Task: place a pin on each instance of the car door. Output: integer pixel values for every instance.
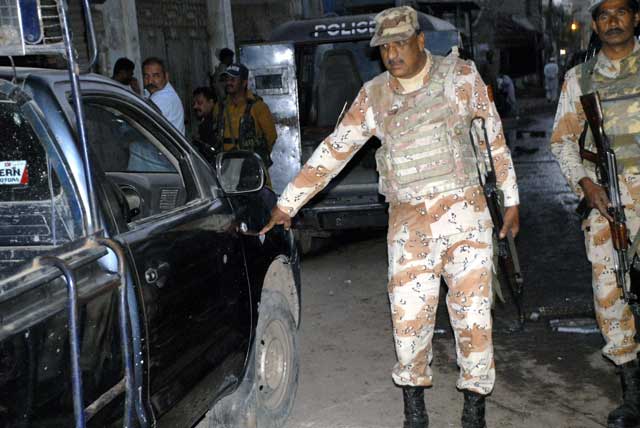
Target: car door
(188, 258)
(42, 218)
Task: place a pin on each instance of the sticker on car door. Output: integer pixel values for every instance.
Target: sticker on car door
(14, 173)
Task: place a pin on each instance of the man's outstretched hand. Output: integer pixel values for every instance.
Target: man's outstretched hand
(277, 217)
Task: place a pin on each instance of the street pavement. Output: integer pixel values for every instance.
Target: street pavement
(544, 378)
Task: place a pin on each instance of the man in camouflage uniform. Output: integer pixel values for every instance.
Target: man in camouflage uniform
(439, 225)
(615, 74)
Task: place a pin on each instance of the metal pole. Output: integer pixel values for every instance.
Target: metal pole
(74, 77)
(74, 340)
(123, 312)
(93, 44)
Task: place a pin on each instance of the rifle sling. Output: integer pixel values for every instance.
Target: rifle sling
(633, 250)
(581, 141)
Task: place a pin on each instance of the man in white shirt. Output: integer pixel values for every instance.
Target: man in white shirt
(551, 80)
(156, 81)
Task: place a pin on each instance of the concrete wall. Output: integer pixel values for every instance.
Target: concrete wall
(253, 21)
(583, 17)
(118, 36)
(220, 29)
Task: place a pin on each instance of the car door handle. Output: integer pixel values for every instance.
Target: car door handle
(244, 229)
(157, 274)
(151, 276)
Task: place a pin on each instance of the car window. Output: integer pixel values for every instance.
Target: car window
(122, 145)
(35, 209)
(331, 75)
(139, 159)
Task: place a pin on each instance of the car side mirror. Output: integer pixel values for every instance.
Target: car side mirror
(240, 172)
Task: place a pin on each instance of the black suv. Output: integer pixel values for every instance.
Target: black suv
(147, 298)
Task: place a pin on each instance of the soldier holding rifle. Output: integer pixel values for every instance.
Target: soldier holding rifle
(608, 85)
(439, 225)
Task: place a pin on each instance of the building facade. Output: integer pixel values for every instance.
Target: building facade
(186, 34)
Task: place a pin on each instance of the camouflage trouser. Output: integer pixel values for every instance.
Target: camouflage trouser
(416, 263)
(612, 313)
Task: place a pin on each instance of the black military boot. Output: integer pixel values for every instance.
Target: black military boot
(415, 412)
(628, 414)
(473, 410)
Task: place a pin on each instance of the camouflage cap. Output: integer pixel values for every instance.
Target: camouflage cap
(395, 24)
(594, 5)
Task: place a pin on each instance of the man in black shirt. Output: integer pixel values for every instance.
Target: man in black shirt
(204, 99)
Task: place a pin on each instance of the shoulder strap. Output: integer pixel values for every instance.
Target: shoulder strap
(220, 123)
(248, 107)
(227, 116)
(586, 71)
(247, 124)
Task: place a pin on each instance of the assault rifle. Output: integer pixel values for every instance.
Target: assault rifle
(607, 173)
(508, 261)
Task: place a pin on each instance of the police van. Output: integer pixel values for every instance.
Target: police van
(308, 73)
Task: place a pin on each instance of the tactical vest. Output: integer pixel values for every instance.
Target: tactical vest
(620, 99)
(426, 149)
(248, 136)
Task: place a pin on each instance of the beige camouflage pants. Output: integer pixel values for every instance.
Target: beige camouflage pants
(612, 313)
(416, 264)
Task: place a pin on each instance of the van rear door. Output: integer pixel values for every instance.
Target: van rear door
(273, 77)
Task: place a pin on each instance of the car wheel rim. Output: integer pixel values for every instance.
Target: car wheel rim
(274, 364)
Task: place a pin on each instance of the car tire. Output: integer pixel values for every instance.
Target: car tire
(265, 397)
(276, 359)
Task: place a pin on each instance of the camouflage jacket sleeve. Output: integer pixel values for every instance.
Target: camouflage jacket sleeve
(476, 103)
(567, 128)
(331, 156)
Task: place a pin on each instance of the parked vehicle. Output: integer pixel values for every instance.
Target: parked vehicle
(309, 72)
(183, 312)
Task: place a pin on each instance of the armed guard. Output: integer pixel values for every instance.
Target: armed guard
(243, 120)
(439, 224)
(614, 73)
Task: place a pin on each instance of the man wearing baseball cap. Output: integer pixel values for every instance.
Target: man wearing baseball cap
(243, 120)
(615, 74)
(439, 225)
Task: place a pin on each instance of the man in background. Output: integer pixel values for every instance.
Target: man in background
(218, 78)
(551, 80)
(162, 94)
(123, 74)
(204, 101)
(243, 120)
